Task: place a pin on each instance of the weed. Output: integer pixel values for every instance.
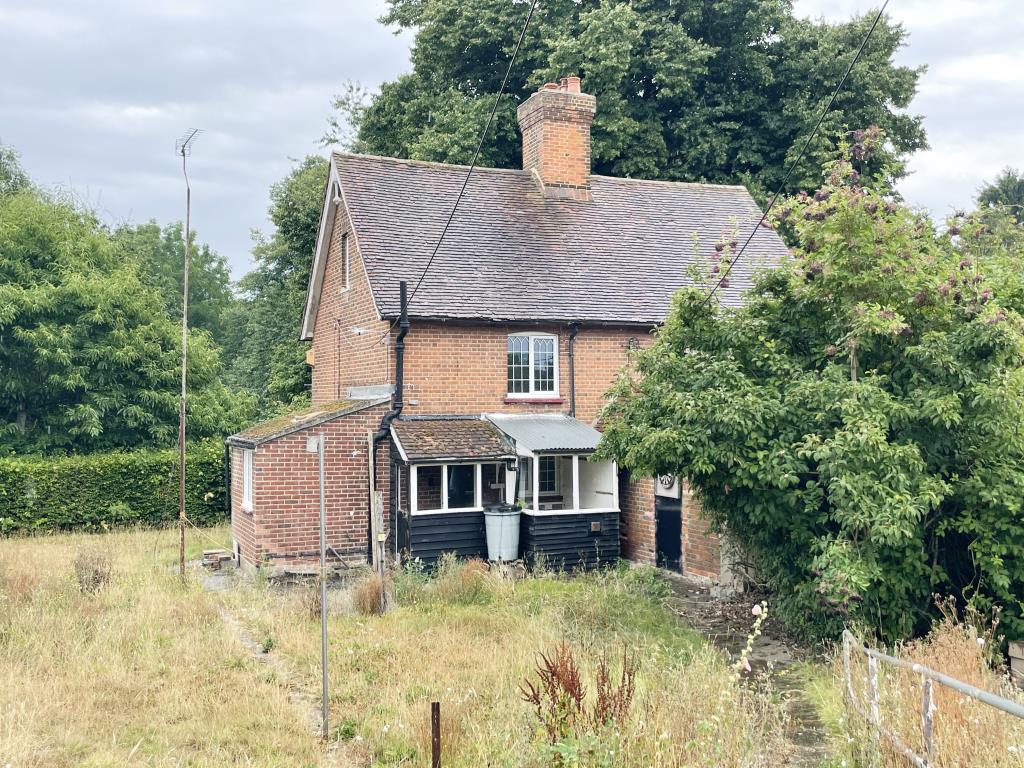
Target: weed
(92, 570)
(347, 730)
(267, 643)
(311, 601)
(369, 597)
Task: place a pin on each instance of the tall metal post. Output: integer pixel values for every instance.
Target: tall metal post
(323, 588)
(184, 148)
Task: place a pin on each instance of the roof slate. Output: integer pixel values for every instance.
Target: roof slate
(450, 438)
(510, 254)
(287, 423)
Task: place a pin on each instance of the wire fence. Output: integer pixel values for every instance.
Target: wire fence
(871, 710)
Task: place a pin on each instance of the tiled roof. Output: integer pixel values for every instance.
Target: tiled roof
(279, 426)
(511, 254)
(450, 438)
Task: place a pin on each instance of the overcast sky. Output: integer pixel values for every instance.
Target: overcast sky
(94, 95)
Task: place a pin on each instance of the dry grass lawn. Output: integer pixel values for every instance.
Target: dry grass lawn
(142, 670)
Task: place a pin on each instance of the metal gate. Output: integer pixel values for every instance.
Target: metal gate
(929, 677)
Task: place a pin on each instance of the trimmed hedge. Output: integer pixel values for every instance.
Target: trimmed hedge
(103, 490)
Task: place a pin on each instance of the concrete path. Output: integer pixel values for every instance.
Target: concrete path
(727, 621)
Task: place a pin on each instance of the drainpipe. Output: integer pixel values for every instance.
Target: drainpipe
(574, 330)
(397, 403)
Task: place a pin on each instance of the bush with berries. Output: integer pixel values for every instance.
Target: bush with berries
(858, 425)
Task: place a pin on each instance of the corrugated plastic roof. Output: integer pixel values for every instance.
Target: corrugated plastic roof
(547, 433)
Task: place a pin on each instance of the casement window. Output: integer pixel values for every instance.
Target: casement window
(446, 488)
(547, 471)
(247, 457)
(346, 263)
(532, 365)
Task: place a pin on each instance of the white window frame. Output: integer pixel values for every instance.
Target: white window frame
(528, 474)
(414, 488)
(346, 263)
(248, 459)
(532, 497)
(533, 393)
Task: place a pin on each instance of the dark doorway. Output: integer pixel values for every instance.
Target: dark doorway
(668, 532)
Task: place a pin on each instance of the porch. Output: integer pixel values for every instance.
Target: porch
(452, 468)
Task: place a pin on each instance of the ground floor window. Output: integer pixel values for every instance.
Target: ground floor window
(567, 482)
(446, 487)
(247, 457)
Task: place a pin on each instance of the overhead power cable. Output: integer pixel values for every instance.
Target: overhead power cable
(469, 173)
(803, 150)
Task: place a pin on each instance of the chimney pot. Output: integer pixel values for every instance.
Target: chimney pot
(555, 123)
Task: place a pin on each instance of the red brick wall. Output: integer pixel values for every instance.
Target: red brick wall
(284, 524)
(701, 547)
(462, 368)
(556, 139)
(636, 499)
(343, 358)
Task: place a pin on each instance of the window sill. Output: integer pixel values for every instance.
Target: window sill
(459, 510)
(513, 399)
(246, 508)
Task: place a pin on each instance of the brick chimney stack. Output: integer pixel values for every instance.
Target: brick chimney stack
(555, 122)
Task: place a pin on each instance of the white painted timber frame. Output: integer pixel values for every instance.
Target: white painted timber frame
(533, 394)
(248, 476)
(535, 509)
(478, 504)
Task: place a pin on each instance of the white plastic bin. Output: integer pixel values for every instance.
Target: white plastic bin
(502, 525)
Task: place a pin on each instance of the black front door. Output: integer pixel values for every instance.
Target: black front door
(668, 532)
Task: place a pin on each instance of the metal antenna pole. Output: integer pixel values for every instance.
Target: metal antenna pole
(183, 147)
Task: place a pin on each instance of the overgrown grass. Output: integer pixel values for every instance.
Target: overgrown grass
(469, 638)
(138, 671)
(139, 667)
(966, 732)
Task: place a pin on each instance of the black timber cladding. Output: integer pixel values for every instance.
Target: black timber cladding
(459, 532)
(570, 541)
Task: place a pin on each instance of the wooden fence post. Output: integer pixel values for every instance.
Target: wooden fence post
(435, 734)
(876, 709)
(928, 719)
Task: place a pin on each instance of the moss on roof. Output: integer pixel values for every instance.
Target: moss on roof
(293, 421)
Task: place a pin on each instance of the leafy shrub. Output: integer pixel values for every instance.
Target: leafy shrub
(92, 570)
(98, 491)
(856, 425)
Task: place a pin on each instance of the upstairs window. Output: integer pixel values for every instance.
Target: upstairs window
(532, 365)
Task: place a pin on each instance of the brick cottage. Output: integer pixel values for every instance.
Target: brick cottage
(489, 388)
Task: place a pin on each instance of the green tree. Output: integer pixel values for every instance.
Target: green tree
(12, 177)
(268, 357)
(1005, 191)
(855, 426)
(160, 254)
(89, 358)
(692, 90)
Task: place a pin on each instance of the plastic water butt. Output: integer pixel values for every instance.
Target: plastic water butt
(501, 522)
